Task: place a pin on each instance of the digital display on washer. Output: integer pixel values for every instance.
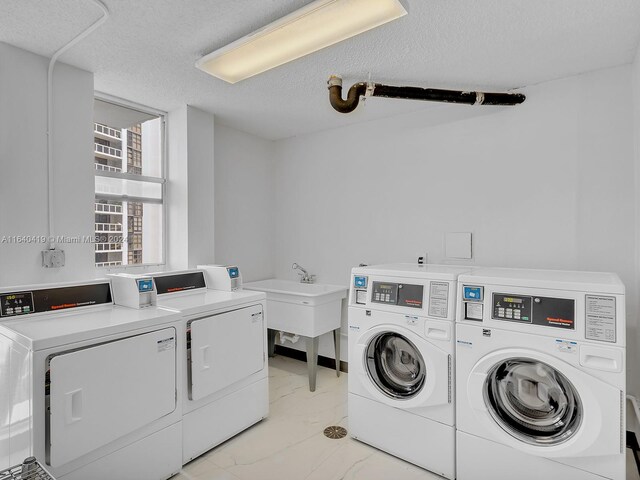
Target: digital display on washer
(513, 300)
(403, 295)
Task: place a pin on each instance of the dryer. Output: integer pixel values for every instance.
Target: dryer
(401, 346)
(224, 366)
(89, 388)
(540, 369)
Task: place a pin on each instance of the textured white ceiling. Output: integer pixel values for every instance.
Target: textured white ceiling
(147, 50)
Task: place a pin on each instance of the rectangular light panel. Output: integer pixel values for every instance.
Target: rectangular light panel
(318, 25)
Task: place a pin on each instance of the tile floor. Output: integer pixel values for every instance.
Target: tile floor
(290, 444)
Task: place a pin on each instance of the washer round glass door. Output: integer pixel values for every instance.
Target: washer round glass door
(532, 401)
(395, 365)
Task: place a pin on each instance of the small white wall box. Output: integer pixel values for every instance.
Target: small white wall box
(457, 245)
(222, 277)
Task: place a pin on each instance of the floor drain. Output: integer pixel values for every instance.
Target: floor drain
(335, 432)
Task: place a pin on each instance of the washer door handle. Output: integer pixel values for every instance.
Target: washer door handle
(475, 393)
(204, 356)
(73, 411)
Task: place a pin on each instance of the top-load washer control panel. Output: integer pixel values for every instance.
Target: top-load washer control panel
(13, 304)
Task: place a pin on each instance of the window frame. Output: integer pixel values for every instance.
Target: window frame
(104, 97)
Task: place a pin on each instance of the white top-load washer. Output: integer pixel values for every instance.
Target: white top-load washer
(540, 368)
(225, 387)
(89, 388)
(401, 346)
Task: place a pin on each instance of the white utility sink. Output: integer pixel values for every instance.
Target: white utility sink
(305, 309)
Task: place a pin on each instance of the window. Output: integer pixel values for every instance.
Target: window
(129, 184)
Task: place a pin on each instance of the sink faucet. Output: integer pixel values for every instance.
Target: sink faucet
(306, 278)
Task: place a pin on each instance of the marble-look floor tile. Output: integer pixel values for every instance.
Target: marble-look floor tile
(290, 445)
(202, 469)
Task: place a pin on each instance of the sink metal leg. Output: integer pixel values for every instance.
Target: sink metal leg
(312, 361)
(336, 344)
(271, 341)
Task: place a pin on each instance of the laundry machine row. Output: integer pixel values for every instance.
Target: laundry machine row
(99, 390)
(489, 373)
(224, 366)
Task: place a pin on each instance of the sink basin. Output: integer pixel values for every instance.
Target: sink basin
(305, 309)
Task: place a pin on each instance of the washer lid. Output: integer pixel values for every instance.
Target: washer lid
(206, 301)
(50, 330)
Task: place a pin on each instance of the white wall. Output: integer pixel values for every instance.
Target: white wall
(190, 188)
(244, 202)
(200, 131)
(547, 184)
(177, 190)
(23, 166)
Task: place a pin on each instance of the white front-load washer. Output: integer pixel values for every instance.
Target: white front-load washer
(540, 373)
(401, 346)
(89, 388)
(225, 369)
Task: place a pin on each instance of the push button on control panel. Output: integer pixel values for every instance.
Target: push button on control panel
(384, 292)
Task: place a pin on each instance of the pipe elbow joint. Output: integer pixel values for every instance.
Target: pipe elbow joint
(353, 97)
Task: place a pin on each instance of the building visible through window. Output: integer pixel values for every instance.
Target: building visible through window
(129, 186)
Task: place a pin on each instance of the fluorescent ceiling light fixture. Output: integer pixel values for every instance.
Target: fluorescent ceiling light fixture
(318, 25)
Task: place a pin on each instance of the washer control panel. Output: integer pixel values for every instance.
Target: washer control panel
(53, 299)
(545, 311)
(16, 304)
(511, 307)
(400, 294)
(384, 292)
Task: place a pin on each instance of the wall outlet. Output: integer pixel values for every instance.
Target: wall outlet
(53, 258)
(422, 260)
